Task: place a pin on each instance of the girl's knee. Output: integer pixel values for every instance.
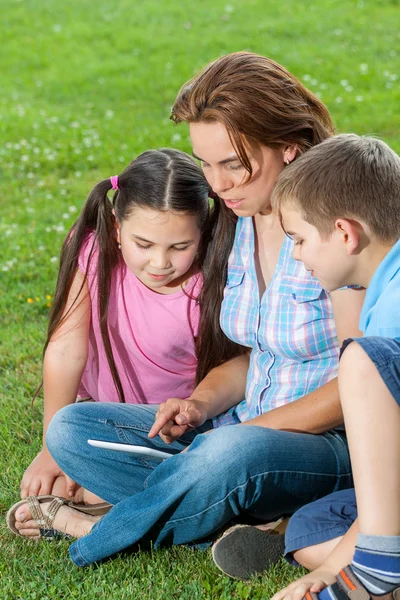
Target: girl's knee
(59, 432)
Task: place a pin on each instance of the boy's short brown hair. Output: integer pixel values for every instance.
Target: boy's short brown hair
(346, 176)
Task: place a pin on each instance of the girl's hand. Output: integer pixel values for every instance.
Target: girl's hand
(40, 476)
(176, 416)
(313, 582)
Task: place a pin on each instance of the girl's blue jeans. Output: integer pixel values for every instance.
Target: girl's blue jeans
(228, 471)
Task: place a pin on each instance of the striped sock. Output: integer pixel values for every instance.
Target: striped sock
(376, 564)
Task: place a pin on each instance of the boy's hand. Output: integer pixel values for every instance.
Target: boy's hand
(313, 582)
(176, 416)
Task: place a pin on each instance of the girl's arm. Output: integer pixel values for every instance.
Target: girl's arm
(320, 410)
(222, 388)
(64, 361)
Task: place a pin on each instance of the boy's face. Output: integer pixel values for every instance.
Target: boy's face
(327, 259)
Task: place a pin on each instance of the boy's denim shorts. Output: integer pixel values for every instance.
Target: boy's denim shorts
(331, 516)
(320, 521)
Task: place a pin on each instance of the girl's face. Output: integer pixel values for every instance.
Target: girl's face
(159, 247)
(227, 176)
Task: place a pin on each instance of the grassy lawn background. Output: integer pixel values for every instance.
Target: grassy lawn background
(86, 86)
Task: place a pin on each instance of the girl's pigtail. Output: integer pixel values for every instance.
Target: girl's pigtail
(212, 346)
(96, 216)
(108, 258)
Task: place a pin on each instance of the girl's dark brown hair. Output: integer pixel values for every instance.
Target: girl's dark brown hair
(260, 103)
(161, 180)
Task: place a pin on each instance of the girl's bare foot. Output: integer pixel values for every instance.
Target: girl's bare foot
(67, 520)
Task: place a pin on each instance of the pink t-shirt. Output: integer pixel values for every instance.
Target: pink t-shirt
(152, 337)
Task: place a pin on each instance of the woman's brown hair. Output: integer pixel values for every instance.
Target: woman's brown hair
(161, 180)
(259, 102)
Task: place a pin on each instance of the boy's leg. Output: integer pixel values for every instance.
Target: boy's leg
(369, 386)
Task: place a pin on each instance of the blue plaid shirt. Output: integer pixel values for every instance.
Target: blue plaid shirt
(291, 331)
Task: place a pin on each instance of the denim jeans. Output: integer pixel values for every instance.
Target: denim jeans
(226, 472)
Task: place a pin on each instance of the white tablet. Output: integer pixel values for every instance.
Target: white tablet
(142, 450)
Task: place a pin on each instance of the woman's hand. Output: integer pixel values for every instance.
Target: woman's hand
(176, 416)
(312, 582)
(39, 477)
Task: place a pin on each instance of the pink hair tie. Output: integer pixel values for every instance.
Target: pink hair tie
(114, 182)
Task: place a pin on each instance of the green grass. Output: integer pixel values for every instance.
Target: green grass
(85, 87)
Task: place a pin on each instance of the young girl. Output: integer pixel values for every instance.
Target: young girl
(125, 320)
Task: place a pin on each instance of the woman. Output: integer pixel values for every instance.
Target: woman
(248, 118)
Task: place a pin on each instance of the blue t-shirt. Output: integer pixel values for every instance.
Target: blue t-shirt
(380, 315)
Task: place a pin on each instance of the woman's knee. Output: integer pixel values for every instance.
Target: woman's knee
(231, 448)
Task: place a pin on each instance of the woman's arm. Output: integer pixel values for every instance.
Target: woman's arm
(222, 388)
(320, 410)
(64, 362)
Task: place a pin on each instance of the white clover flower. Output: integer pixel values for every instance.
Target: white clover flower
(54, 259)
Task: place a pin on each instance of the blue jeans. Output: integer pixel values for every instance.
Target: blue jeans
(230, 470)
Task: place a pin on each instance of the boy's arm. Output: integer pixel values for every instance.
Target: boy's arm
(320, 410)
(325, 575)
(63, 365)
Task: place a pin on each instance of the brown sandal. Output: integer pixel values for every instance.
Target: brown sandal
(45, 520)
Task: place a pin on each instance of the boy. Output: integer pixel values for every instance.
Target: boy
(340, 202)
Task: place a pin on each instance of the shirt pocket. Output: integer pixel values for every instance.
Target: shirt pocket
(302, 291)
(235, 276)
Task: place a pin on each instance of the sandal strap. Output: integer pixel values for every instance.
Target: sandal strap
(351, 585)
(311, 596)
(36, 512)
(354, 589)
(44, 520)
(52, 510)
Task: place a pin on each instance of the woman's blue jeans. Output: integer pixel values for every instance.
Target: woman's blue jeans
(228, 471)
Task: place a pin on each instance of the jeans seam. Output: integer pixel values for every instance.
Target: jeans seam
(121, 426)
(212, 506)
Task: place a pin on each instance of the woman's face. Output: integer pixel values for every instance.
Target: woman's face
(227, 176)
